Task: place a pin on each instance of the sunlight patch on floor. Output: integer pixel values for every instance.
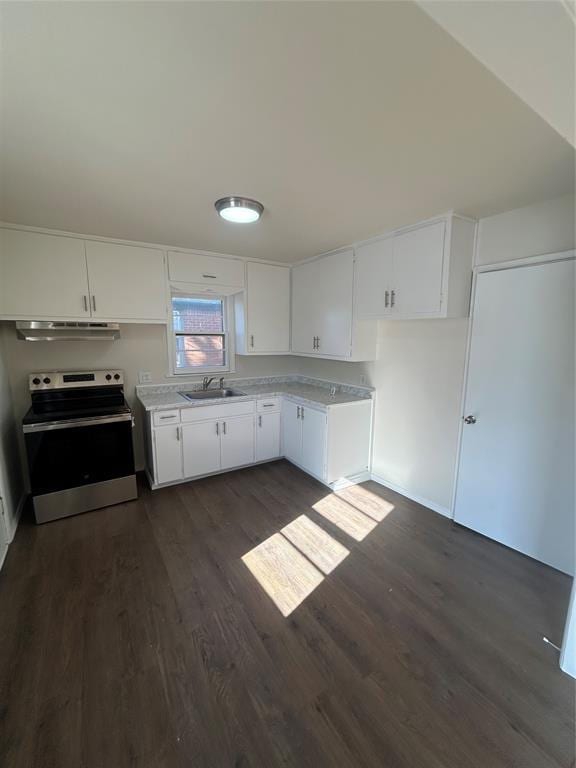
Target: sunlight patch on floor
(345, 516)
(290, 564)
(367, 502)
(317, 545)
(283, 572)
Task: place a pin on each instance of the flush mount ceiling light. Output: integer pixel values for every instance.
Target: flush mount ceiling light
(240, 210)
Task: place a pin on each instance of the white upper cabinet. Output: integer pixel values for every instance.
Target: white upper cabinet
(65, 278)
(210, 274)
(374, 270)
(418, 262)
(126, 282)
(418, 272)
(42, 276)
(324, 323)
(263, 311)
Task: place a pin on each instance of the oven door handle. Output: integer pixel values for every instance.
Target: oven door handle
(94, 421)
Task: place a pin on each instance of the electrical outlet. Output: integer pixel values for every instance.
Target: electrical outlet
(144, 377)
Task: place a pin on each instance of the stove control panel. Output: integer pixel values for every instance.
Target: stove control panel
(70, 379)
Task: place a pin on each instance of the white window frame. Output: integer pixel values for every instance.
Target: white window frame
(229, 347)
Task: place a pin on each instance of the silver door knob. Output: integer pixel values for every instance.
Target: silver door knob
(469, 419)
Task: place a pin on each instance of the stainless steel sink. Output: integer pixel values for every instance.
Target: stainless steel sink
(211, 394)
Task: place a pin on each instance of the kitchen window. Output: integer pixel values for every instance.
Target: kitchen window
(199, 334)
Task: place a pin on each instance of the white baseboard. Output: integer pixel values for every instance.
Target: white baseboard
(412, 496)
(346, 482)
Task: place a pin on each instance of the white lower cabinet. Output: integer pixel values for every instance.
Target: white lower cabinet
(236, 442)
(331, 444)
(304, 437)
(267, 436)
(291, 431)
(201, 448)
(167, 454)
(314, 441)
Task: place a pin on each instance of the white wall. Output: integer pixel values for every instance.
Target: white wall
(545, 227)
(420, 367)
(11, 485)
(141, 347)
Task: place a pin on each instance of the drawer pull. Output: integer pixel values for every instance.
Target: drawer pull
(163, 418)
(213, 277)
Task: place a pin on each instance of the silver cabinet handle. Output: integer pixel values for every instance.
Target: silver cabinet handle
(268, 405)
(313, 342)
(297, 411)
(163, 418)
(469, 419)
(212, 277)
(302, 411)
(224, 427)
(217, 429)
(93, 303)
(85, 300)
(317, 342)
(178, 433)
(392, 298)
(386, 298)
(252, 340)
(259, 421)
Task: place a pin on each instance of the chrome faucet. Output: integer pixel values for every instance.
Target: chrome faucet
(206, 382)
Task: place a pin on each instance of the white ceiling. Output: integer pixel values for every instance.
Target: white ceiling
(345, 119)
(528, 45)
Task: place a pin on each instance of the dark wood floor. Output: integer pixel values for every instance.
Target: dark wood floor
(136, 636)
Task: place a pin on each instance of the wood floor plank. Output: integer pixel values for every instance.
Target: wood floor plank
(137, 635)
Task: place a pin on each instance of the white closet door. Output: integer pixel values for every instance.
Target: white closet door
(516, 473)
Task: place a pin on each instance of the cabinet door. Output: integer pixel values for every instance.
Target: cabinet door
(306, 286)
(126, 281)
(374, 278)
(167, 454)
(201, 448)
(334, 304)
(314, 441)
(291, 432)
(267, 436)
(42, 275)
(205, 270)
(237, 442)
(418, 262)
(268, 308)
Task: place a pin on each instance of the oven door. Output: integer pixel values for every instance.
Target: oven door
(70, 454)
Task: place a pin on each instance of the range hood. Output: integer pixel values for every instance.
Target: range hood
(33, 330)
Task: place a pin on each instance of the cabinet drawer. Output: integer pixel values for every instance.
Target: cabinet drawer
(161, 418)
(268, 405)
(225, 411)
(207, 270)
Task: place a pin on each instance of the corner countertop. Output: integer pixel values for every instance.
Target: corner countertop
(313, 392)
